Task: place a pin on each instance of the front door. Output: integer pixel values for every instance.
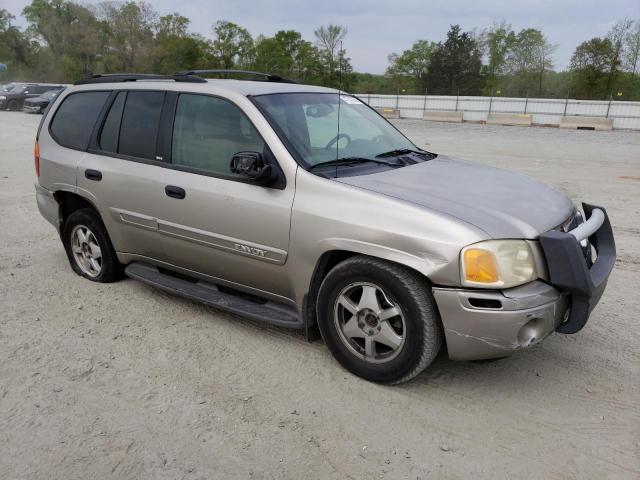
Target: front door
(212, 221)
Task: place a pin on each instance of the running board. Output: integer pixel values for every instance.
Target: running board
(208, 293)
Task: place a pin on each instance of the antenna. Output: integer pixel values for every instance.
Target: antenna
(339, 103)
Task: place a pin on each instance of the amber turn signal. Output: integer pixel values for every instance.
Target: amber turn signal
(480, 266)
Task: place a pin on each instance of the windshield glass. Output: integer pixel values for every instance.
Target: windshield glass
(309, 121)
(18, 89)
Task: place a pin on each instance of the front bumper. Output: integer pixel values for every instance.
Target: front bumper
(481, 324)
(571, 272)
(32, 108)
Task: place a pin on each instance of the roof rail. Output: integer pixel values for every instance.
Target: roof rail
(269, 77)
(133, 77)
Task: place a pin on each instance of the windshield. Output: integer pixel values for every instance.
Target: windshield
(309, 121)
(18, 89)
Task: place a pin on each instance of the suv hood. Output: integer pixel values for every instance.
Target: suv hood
(501, 203)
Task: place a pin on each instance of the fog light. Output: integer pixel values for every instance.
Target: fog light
(531, 332)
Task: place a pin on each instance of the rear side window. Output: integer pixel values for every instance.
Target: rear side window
(111, 131)
(74, 120)
(139, 125)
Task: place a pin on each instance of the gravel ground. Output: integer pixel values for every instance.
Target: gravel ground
(124, 381)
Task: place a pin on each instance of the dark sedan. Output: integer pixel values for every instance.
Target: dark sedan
(14, 99)
(39, 104)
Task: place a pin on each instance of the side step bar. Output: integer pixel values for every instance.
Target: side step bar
(208, 293)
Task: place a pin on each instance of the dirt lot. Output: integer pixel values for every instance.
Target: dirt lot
(124, 381)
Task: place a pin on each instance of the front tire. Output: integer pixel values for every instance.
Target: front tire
(13, 105)
(89, 248)
(379, 319)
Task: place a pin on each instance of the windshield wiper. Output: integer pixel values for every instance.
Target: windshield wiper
(351, 161)
(405, 151)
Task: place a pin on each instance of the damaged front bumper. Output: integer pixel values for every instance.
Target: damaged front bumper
(480, 324)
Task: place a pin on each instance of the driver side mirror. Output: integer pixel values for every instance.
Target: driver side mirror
(251, 166)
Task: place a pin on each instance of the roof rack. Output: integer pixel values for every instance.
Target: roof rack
(133, 77)
(267, 76)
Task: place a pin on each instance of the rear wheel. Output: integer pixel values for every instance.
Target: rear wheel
(89, 248)
(379, 319)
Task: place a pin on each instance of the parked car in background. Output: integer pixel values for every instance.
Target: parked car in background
(5, 87)
(39, 104)
(14, 98)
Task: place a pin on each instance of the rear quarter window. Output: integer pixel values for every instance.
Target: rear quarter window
(74, 120)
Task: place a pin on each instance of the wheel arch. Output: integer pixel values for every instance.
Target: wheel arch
(332, 257)
(69, 202)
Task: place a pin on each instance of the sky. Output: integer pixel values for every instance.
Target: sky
(377, 28)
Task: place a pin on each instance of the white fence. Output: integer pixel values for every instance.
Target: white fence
(544, 111)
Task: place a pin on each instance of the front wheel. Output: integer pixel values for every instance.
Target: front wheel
(379, 319)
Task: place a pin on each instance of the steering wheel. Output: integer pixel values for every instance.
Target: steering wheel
(337, 139)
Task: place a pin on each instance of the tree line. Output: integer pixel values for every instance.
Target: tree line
(64, 41)
(501, 61)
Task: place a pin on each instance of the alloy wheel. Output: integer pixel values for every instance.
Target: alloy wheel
(369, 323)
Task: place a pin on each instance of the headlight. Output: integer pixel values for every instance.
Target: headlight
(2, 97)
(501, 263)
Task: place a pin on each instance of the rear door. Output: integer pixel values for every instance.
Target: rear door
(121, 170)
(211, 220)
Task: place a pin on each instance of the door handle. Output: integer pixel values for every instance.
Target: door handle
(94, 175)
(174, 192)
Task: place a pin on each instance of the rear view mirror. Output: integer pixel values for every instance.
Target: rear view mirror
(319, 110)
(251, 166)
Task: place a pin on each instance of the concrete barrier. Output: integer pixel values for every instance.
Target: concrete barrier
(509, 119)
(586, 123)
(442, 116)
(388, 112)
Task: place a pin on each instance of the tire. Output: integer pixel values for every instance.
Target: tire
(366, 346)
(83, 256)
(13, 105)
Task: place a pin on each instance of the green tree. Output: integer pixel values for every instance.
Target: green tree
(15, 49)
(632, 49)
(329, 40)
(129, 30)
(456, 65)
(176, 48)
(70, 31)
(528, 60)
(497, 43)
(233, 45)
(414, 63)
(616, 37)
(590, 67)
(289, 55)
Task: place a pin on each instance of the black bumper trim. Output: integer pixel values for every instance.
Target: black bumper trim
(569, 271)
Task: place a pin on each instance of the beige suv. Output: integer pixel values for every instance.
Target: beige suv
(301, 206)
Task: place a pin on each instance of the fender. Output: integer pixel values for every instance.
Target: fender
(426, 264)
